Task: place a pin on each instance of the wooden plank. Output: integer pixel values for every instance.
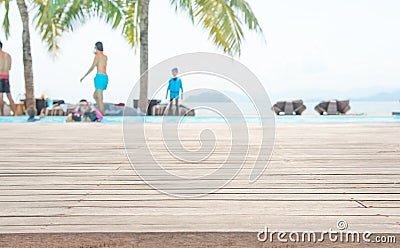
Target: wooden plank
(52, 180)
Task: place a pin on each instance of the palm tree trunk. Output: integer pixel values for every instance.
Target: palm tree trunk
(144, 54)
(27, 56)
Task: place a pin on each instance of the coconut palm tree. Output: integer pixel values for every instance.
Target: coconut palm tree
(224, 20)
(55, 17)
(26, 47)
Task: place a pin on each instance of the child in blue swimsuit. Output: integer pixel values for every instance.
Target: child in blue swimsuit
(174, 89)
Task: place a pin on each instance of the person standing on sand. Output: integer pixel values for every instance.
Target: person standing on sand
(5, 67)
(101, 79)
(174, 89)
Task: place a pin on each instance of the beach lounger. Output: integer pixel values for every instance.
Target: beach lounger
(343, 106)
(158, 110)
(333, 107)
(152, 103)
(289, 110)
(299, 107)
(279, 107)
(58, 111)
(289, 107)
(322, 107)
(162, 109)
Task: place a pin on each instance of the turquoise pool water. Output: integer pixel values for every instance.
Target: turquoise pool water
(203, 119)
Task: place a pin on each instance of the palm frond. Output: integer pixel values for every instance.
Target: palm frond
(55, 17)
(6, 20)
(119, 13)
(130, 27)
(184, 6)
(110, 10)
(245, 13)
(223, 19)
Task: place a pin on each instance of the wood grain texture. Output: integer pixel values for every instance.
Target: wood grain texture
(57, 178)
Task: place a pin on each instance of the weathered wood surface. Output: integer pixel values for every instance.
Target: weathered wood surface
(77, 178)
(165, 239)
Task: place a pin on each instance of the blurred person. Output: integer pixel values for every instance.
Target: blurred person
(5, 67)
(101, 78)
(85, 112)
(174, 89)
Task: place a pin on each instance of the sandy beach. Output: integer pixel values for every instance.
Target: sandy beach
(76, 178)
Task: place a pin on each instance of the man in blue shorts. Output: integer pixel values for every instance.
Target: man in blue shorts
(174, 88)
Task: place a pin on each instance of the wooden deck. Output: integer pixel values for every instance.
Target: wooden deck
(76, 178)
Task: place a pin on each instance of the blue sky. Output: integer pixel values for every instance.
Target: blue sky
(334, 48)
